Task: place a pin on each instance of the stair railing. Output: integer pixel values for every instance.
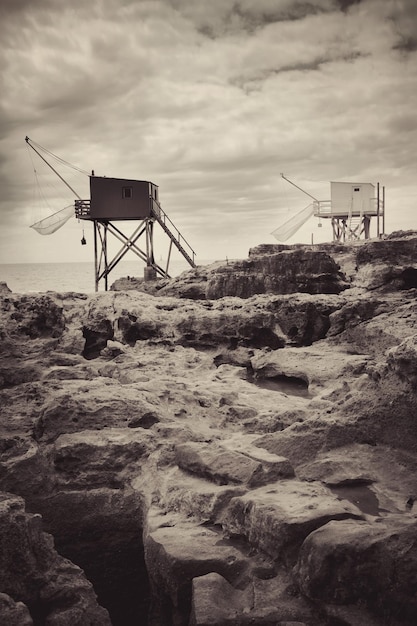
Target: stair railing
(172, 230)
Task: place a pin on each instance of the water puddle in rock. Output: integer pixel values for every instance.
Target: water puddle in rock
(361, 496)
(289, 385)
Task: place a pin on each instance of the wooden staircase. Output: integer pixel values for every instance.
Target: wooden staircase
(173, 233)
(354, 229)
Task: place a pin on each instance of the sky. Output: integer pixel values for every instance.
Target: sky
(211, 101)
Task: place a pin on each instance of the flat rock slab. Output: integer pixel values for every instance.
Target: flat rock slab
(215, 601)
(97, 457)
(278, 518)
(176, 554)
(224, 466)
(348, 561)
(393, 473)
(268, 459)
(74, 406)
(195, 497)
(316, 365)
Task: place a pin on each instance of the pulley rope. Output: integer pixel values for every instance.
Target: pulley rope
(51, 224)
(59, 159)
(45, 183)
(38, 194)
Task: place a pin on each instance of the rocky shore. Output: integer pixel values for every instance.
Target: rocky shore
(234, 446)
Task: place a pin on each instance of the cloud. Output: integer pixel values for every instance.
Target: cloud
(404, 19)
(346, 4)
(234, 16)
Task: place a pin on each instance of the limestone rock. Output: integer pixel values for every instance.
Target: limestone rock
(289, 271)
(351, 615)
(374, 477)
(195, 497)
(316, 366)
(273, 601)
(104, 394)
(191, 284)
(22, 372)
(4, 289)
(89, 404)
(215, 601)
(388, 417)
(391, 250)
(275, 467)
(97, 458)
(403, 360)
(372, 325)
(225, 466)
(232, 327)
(376, 564)
(389, 264)
(355, 313)
(24, 468)
(33, 316)
(14, 613)
(101, 531)
(32, 573)
(135, 326)
(304, 318)
(277, 518)
(275, 421)
(177, 552)
(285, 269)
(127, 283)
(335, 469)
(300, 442)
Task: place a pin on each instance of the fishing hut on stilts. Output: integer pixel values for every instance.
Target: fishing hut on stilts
(351, 208)
(115, 201)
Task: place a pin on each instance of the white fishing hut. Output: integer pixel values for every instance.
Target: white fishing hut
(351, 207)
(357, 198)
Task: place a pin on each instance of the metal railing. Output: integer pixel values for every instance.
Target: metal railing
(82, 209)
(377, 207)
(170, 228)
(324, 208)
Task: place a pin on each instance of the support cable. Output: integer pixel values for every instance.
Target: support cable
(52, 168)
(56, 157)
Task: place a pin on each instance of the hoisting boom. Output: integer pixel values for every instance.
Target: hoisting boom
(29, 142)
(294, 185)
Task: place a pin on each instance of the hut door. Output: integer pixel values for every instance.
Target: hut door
(357, 204)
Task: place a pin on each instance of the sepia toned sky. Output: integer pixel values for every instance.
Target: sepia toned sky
(210, 100)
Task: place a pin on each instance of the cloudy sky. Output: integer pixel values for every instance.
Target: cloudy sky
(211, 100)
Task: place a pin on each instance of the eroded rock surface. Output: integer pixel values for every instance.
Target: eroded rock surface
(246, 459)
(38, 584)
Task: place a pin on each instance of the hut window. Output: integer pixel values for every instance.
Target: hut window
(127, 192)
(356, 189)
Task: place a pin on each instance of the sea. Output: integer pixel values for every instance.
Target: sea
(77, 277)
